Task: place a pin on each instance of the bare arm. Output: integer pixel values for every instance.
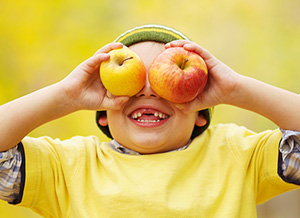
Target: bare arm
(279, 105)
(81, 89)
(225, 86)
(22, 115)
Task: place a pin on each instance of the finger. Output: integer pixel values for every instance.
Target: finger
(182, 106)
(205, 54)
(119, 101)
(191, 106)
(177, 43)
(93, 62)
(191, 46)
(107, 48)
(186, 107)
(96, 59)
(115, 103)
(109, 95)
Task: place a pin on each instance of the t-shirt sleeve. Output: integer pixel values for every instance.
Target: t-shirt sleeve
(50, 169)
(259, 153)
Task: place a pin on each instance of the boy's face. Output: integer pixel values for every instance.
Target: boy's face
(148, 123)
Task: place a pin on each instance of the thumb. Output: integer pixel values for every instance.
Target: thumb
(115, 103)
(191, 106)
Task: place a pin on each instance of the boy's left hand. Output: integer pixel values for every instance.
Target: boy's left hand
(225, 86)
(221, 79)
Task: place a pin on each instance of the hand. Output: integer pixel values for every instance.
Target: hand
(83, 86)
(221, 82)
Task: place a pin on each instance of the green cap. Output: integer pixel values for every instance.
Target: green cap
(161, 34)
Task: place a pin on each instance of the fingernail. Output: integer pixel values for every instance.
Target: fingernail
(109, 95)
(180, 106)
(104, 56)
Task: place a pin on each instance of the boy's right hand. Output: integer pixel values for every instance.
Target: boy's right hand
(83, 87)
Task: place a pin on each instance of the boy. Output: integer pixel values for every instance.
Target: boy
(173, 167)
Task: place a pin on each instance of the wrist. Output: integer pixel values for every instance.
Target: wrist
(233, 91)
(249, 94)
(64, 98)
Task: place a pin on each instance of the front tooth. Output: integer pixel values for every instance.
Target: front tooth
(156, 114)
(161, 115)
(139, 114)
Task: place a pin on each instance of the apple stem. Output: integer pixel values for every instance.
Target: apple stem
(126, 59)
(183, 63)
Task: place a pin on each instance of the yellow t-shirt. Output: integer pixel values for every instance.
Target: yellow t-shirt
(224, 172)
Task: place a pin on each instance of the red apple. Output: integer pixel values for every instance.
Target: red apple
(178, 75)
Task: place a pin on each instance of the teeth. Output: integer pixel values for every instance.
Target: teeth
(148, 121)
(162, 116)
(156, 114)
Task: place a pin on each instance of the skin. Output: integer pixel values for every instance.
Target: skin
(225, 86)
(82, 90)
(170, 134)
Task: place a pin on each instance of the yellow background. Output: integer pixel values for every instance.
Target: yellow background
(42, 41)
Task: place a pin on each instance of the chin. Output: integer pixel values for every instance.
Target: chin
(144, 143)
(150, 144)
(150, 140)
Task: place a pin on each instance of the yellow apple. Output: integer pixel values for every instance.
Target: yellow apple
(178, 75)
(124, 74)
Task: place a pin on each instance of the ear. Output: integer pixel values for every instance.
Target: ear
(103, 121)
(201, 120)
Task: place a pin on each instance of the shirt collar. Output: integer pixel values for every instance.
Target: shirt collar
(121, 149)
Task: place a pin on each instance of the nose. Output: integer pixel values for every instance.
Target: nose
(147, 91)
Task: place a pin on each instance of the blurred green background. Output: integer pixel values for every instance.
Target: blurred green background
(42, 41)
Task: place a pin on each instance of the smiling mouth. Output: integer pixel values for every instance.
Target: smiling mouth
(148, 116)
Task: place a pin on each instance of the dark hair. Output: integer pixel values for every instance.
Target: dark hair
(160, 34)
